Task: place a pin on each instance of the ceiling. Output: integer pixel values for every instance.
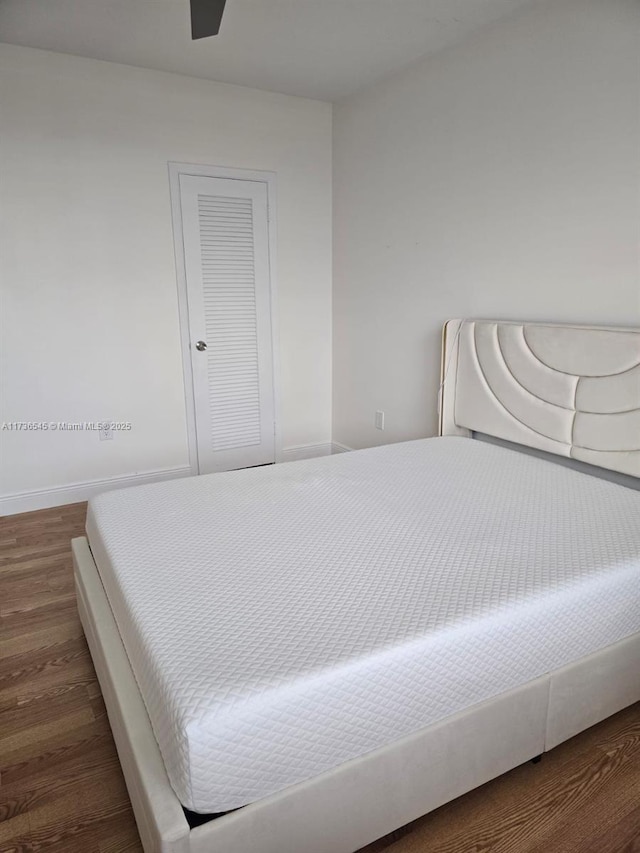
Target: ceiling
(323, 49)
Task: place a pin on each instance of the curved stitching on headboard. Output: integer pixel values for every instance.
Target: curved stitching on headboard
(502, 405)
(537, 357)
(575, 410)
(524, 388)
(609, 414)
(605, 415)
(581, 375)
(619, 373)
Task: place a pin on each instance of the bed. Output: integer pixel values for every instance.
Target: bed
(322, 651)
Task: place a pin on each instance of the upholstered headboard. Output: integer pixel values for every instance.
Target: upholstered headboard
(569, 390)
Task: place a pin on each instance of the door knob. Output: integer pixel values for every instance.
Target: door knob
(201, 346)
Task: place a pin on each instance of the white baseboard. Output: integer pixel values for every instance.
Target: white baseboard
(309, 451)
(336, 447)
(306, 451)
(76, 492)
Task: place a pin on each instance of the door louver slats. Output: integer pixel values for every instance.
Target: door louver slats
(225, 231)
(226, 244)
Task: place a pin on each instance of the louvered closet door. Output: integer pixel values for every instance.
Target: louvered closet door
(226, 248)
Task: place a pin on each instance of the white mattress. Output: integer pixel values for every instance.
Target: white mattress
(283, 620)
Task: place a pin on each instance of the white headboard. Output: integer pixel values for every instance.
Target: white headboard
(569, 390)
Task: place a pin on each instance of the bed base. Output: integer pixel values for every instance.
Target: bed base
(362, 800)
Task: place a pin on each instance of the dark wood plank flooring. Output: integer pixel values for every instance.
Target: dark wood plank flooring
(61, 789)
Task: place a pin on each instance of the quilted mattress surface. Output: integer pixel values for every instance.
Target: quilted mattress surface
(283, 620)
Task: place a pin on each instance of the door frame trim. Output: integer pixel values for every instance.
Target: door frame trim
(265, 177)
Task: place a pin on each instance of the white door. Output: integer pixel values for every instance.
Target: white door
(226, 252)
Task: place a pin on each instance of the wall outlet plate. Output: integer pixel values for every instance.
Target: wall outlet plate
(105, 432)
(379, 421)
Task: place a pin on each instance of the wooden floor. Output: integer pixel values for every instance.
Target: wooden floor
(61, 790)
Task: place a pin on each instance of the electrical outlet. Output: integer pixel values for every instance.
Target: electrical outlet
(379, 420)
(105, 432)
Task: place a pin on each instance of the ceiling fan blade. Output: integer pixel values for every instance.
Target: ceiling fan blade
(205, 17)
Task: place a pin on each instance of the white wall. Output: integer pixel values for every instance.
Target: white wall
(87, 268)
(496, 179)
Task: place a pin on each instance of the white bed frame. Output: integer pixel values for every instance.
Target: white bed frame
(368, 797)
